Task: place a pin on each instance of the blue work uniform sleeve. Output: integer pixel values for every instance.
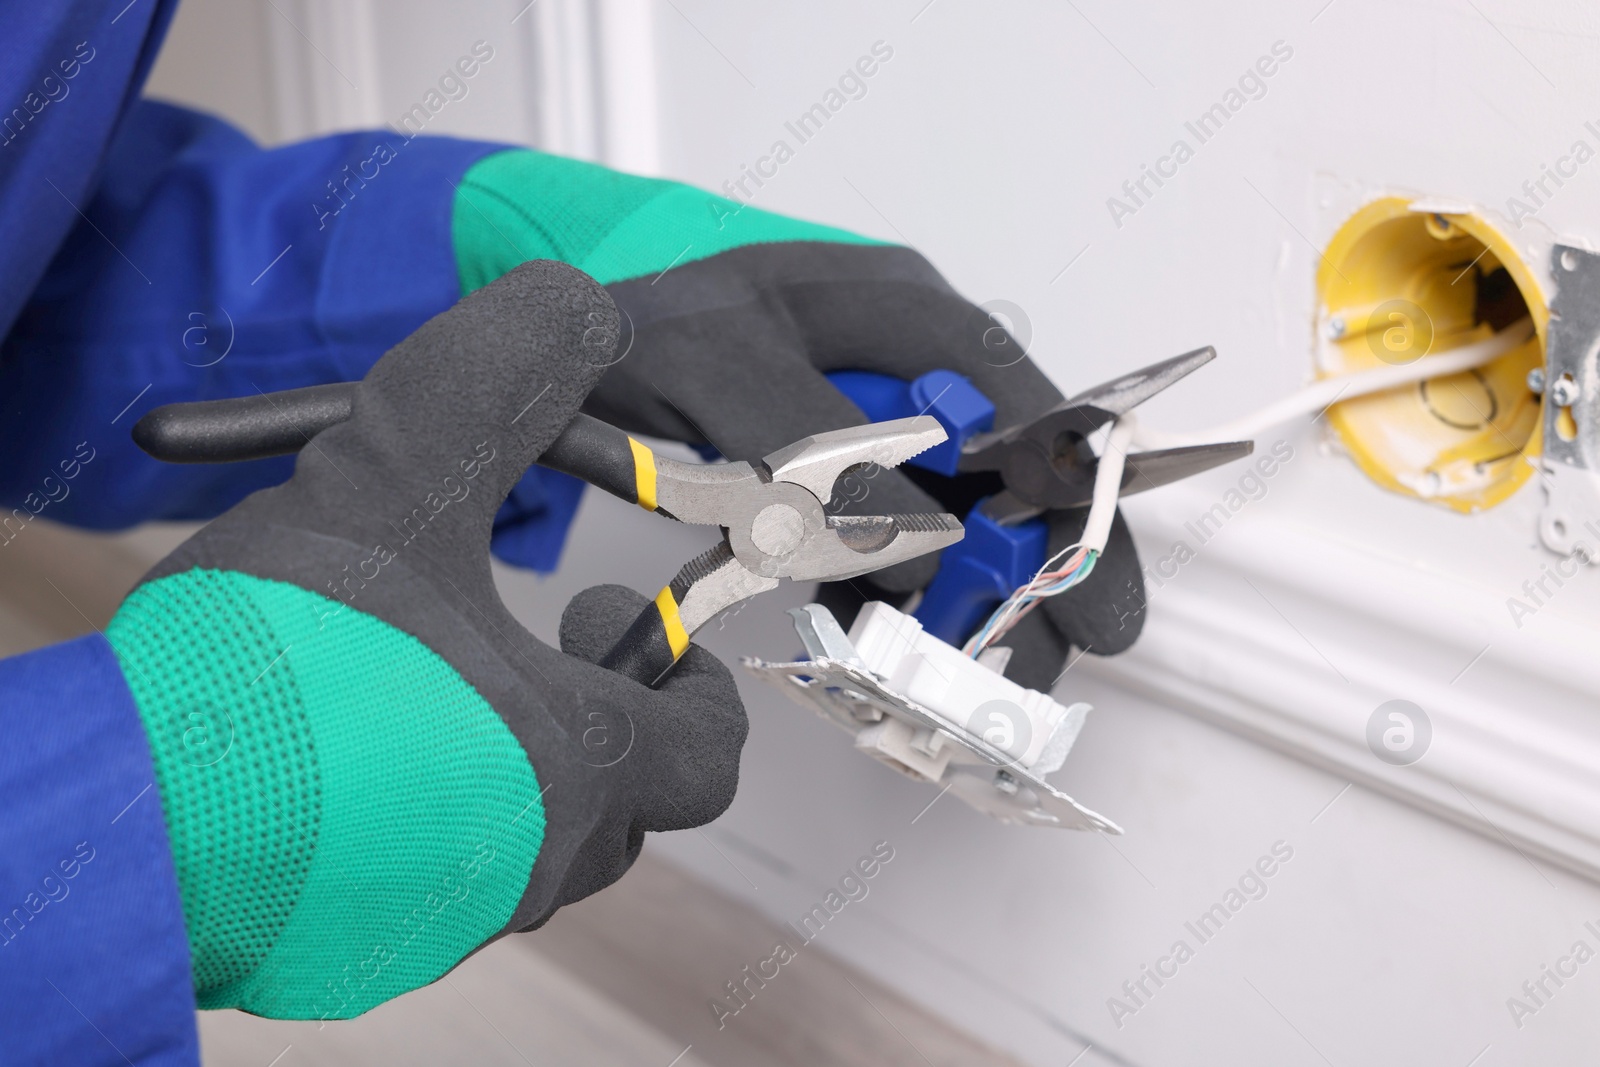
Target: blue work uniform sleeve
(94, 960)
(67, 74)
(156, 255)
(207, 267)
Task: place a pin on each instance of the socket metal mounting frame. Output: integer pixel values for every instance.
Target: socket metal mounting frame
(1569, 467)
(837, 684)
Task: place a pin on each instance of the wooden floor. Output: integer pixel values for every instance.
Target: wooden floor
(625, 977)
(508, 1005)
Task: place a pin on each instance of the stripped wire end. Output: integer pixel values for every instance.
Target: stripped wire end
(1061, 572)
(1072, 564)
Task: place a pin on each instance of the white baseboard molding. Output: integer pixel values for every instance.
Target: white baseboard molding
(1281, 633)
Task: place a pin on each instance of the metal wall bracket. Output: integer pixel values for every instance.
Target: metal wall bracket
(1569, 469)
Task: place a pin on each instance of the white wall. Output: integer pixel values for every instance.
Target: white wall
(295, 68)
(1423, 897)
(992, 142)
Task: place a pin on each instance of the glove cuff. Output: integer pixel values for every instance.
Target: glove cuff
(348, 817)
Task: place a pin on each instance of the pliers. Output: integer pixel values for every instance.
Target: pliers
(1043, 464)
(772, 513)
(1047, 462)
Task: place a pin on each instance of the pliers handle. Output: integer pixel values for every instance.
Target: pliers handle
(280, 424)
(774, 525)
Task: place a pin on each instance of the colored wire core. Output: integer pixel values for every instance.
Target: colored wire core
(1061, 572)
(1071, 565)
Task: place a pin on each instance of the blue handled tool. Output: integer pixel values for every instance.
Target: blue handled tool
(1045, 463)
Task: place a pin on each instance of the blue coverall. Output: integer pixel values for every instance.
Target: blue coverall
(150, 254)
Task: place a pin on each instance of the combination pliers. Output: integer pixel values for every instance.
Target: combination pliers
(771, 513)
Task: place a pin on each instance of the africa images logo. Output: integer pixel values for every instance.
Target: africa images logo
(1399, 732)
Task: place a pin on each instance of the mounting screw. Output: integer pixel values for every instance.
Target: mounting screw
(1005, 783)
(1536, 381)
(1335, 328)
(1564, 392)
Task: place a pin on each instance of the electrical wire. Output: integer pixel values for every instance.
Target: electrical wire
(1328, 391)
(1046, 583)
(1070, 566)
(1108, 483)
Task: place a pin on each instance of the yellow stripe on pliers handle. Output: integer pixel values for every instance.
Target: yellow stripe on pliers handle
(644, 484)
(672, 622)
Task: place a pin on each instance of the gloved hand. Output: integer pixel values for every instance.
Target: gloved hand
(731, 318)
(368, 768)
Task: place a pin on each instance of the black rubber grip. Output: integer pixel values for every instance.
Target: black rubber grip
(276, 424)
(601, 455)
(658, 638)
(241, 428)
(644, 653)
(280, 424)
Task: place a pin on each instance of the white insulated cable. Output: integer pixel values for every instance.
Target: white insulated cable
(1126, 433)
(1328, 391)
(1108, 483)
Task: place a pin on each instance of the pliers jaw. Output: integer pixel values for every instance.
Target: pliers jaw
(835, 547)
(774, 518)
(860, 544)
(786, 539)
(815, 463)
(1047, 462)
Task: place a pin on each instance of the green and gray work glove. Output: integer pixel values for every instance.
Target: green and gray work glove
(368, 768)
(732, 316)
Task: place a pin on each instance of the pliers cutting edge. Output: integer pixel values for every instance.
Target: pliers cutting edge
(772, 515)
(1047, 462)
(1044, 464)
